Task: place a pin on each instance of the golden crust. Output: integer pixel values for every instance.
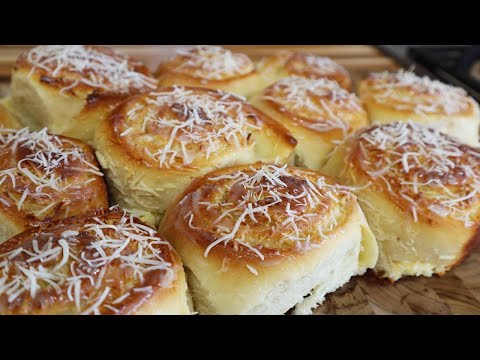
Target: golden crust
(407, 93)
(403, 96)
(115, 273)
(419, 191)
(210, 67)
(210, 206)
(70, 89)
(317, 112)
(450, 167)
(256, 239)
(153, 144)
(74, 79)
(46, 177)
(307, 65)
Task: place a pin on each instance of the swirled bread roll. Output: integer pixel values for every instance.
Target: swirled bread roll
(403, 96)
(420, 191)
(318, 113)
(71, 88)
(103, 263)
(257, 239)
(45, 177)
(211, 67)
(307, 65)
(154, 144)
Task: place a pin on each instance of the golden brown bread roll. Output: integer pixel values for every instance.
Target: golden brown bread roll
(45, 177)
(307, 65)
(257, 239)
(70, 88)
(154, 144)
(318, 113)
(419, 190)
(211, 67)
(403, 96)
(106, 262)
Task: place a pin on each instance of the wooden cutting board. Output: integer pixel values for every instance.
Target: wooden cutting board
(458, 292)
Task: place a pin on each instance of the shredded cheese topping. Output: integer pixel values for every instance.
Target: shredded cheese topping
(213, 63)
(404, 90)
(321, 105)
(266, 207)
(313, 65)
(94, 268)
(420, 166)
(80, 64)
(179, 126)
(34, 168)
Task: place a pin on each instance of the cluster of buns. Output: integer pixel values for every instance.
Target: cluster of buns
(260, 205)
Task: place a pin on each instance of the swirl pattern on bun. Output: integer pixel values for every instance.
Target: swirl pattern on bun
(153, 144)
(403, 96)
(70, 88)
(211, 67)
(106, 262)
(307, 65)
(318, 113)
(420, 193)
(45, 177)
(269, 233)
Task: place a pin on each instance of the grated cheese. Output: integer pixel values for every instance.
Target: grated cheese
(430, 96)
(430, 170)
(89, 66)
(59, 264)
(213, 63)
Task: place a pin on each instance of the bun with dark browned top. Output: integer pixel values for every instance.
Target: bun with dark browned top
(45, 177)
(211, 67)
(318, 113)
(105, 262)
(306, 65)
(71, 88)
(154, 144)
(258, 238)
(420, 191)
(404, 96)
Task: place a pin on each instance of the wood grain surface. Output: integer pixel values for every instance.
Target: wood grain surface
(458, 292)
(355, 57)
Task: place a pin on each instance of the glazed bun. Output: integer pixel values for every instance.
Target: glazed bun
(420, 191)
(71, 88)
(318, 113)
(45, 177)
(154, 144)
(211, 67)
(403, 96)
(103, 263)
(262, 239)
(307, 65)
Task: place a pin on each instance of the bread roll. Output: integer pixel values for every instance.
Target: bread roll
(420, 191)
(106, 262)
(211, 67)
(258, 239)
(307, 65)
(71, 88)
(45, 177)
(403, 96)
(318, 113)
(154, 144)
